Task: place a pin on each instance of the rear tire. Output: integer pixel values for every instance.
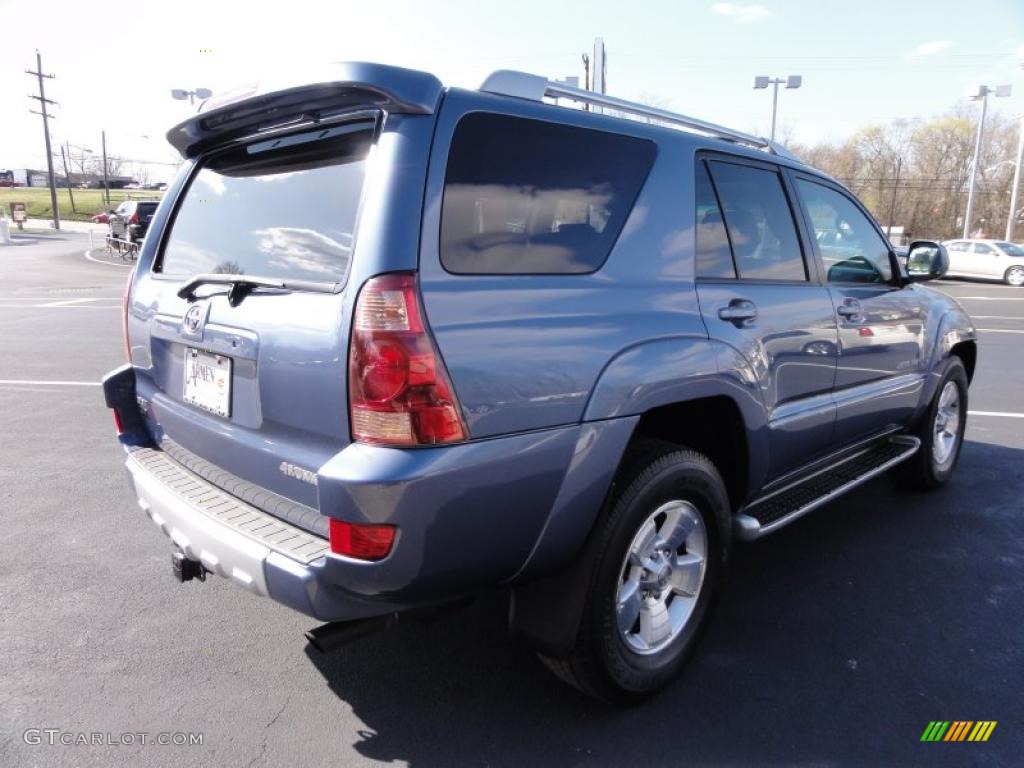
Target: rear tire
(941, 432)
(657, 561)
(1014, 276)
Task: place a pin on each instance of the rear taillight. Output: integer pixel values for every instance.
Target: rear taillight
(361, 541)
(134, 218)
(399, 391)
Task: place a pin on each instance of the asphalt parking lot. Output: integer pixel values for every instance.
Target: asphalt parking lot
(836, 641)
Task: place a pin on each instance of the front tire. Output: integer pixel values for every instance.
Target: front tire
(658, 559)
(941, 431)
(1014, 276)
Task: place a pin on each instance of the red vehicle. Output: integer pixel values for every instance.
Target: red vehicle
(101, 218)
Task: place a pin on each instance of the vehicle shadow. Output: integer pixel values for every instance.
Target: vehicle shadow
(836, 640)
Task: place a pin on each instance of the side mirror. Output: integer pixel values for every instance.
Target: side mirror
(926, 260)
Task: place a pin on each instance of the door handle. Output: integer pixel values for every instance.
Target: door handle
(849, 309)
(739, 312)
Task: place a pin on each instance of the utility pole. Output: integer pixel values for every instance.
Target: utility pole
(1011, 220)
(981, 94)
(895, 191)
(43, 101)
(106, 184)
(67, 177)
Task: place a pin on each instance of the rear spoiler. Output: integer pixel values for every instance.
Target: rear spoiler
(263, 107)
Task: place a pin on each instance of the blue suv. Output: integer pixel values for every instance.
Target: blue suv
(392, 345)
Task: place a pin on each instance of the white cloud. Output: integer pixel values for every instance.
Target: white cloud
(930, 48)
(742, 14)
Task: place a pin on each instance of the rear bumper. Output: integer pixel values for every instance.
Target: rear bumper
(470, 516)
(232, 539)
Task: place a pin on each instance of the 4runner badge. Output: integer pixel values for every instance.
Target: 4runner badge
(305, 475)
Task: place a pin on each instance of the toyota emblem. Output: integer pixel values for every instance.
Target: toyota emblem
(193, 321)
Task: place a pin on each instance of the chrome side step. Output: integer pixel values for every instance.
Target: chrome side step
(781, 507)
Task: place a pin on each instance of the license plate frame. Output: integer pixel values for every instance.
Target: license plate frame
(207, 381)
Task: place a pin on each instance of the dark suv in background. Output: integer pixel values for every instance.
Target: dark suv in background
(392, 345)
(130, 220)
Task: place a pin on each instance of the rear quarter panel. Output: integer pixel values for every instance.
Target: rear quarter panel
(524, 351)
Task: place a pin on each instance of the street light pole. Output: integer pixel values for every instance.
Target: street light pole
(981, 94)
(1011, 219)
(106, 183)
(67, 177)
(775, 104)
(762, 81)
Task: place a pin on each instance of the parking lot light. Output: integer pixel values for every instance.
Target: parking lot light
(792, 82)
(199, 93)
(979, 93)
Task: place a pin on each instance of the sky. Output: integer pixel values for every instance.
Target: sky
(862, 62)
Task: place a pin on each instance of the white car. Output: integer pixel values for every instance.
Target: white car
(986, 259)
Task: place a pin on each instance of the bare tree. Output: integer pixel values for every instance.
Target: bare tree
(918, 169)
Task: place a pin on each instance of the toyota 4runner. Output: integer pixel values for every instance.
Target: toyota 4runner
(391, 345)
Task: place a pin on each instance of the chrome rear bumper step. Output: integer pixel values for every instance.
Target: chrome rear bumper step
(781, 507)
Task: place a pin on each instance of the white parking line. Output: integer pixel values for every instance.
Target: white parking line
(38, 383)
(90, 257)
(999, 414)
(990, 298)
(1000, 330)
(67, 302)
(997, 317)
(4, 305)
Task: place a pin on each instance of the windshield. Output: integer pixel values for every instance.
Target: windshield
(1012, 250)
(283, 208)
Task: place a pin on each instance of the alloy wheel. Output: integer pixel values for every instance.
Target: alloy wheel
(661, 577)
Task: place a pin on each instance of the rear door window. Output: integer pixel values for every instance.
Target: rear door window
(714, 257)
(759, 221)
(280, 208)
(525, 196)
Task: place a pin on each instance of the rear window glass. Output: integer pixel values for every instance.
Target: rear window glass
(147, 208)
(281, 208)
(529, 197)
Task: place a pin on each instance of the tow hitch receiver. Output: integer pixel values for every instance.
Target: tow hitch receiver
(185, 568)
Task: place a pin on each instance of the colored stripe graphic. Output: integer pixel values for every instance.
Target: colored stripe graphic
(958, 730)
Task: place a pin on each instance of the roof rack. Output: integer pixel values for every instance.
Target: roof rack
(523, 85)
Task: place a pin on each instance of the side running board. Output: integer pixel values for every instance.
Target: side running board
(780, 507)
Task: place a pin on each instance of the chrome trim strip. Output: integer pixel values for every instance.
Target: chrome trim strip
(874, 389)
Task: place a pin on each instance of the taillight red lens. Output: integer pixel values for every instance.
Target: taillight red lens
(134, 219)
(117, 422)
(399, 391)
(363, 542)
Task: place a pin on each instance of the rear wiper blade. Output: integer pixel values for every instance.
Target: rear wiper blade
(243, 285)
